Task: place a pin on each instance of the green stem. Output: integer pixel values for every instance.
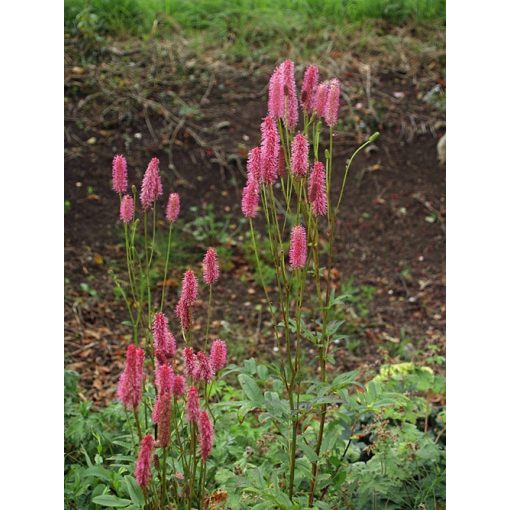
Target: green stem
(163, 292)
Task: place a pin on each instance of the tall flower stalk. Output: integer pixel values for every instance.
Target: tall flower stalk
(292, 214)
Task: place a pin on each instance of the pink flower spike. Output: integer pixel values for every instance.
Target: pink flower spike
(206, 432)
(192, 405)
(173, 207)
(143, 463)
(164, 341)
(127, 208)
(164, 378)
(218, 355)
(250, 200)
(270, 151)
(129, 390)
(183, 311)
(290, 98)
(275, 105)
(297, 251)
(299, 155)
(203, 369)
(179, 386)
(321, 98)
(332, 103)
(165, 410)
(190, 362)
(151, 184)
(309, 88)
(119, 174)
(317, 190)
(210, 267)
(253, 167)
(189, 290)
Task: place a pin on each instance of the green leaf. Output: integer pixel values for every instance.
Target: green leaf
(111, 501)
(134, 490)
(251, 389)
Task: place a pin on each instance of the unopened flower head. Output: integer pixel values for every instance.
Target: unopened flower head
(332, 103)
(321, 98)
(309, 88)
(143, 463)
(164, 340)
(173, 207)
(119, 174)
(254, 165)
(317, 190)
(129, 390)
(203, 370)
(127, 208)
(270, 151)
(299, 155)
(218, 355)
(152, 188)
(297, 251)
(276, 103)
(192, 405)
(206, 432)
(290, 98)
(250, 199)
(210, 267)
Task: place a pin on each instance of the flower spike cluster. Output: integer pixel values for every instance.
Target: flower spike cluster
(152, 188)
(317, 190)
(143, 463)
(210, 267)
(173, 208)
(127, 209)
(297, 251)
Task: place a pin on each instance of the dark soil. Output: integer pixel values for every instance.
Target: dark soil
(200, 120)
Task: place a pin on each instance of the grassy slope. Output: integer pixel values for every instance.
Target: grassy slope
(222, 17)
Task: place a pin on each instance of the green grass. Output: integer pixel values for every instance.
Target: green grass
(253, 21)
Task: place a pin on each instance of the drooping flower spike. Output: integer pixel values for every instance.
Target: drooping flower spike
(250, 199)
(317, 190)
(143, 463)
(164, 341)
(218, 355)
(206, 432)
(173, 207)
(119, 174)
(152, 188)
(210, 267)
(297, 251)
(129, 390)
(299, 155)
(309, 88)
(127, 209)
(183, 311)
